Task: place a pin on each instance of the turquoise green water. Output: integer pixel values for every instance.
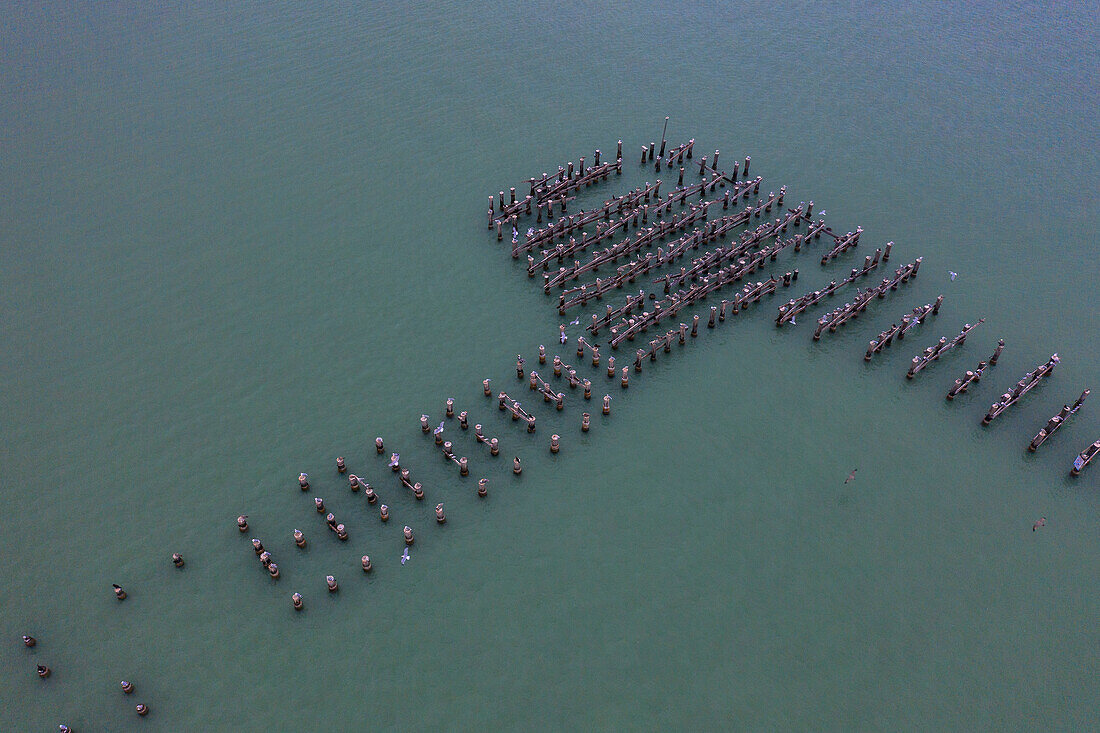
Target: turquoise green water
(240, 242)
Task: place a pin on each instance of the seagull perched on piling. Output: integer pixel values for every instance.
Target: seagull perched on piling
(439, 430)
(395, 458)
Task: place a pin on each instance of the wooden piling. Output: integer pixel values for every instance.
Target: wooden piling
(1025, 385)
(1056, 422)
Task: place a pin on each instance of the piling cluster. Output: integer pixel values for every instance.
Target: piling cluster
(676, 250)
(646, 233)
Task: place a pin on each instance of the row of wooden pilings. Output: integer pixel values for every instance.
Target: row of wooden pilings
(934, 352)
(789, 310)
(963, 383)
(898, 330)
(842, 314)
(1056, 422)
(1025, 385)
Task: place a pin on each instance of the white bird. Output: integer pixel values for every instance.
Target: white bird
(952, 274)
(564, 338)
(574, 323)
(405, 556)
(438, 430)
(394, 459)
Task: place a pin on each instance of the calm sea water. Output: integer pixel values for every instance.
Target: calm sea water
(238, 242)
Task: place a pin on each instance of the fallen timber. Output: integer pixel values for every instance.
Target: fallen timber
(634, 199)
(511, 211)
(667, 307)
(842, 244)
(712, 169)
(448, 454)
(1056, 422)
(675, 155)
(493, 443)
(753, 292)
(406, 480)
(664, 341)
(500, 211)
(561, 368)
(632, 302)
(674, 302)
(934, 352)
(970, 377)
(583, 344)
(512, 406)
(789, 310)
(1084, 457)
(538, 384)
(841, 315)
(558, 229)
(908, 321)
(1025, 385)
(555, 229)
